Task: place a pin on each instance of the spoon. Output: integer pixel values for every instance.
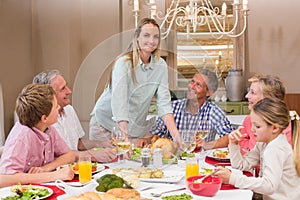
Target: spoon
(200, 180)
(159, 194)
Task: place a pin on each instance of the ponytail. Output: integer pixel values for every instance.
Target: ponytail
(295, 120)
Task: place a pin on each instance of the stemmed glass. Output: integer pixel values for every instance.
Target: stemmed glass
(121, 142)
(188, 141)
(203, 130)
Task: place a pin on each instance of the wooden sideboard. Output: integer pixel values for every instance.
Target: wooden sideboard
(234, 108)
(230, 108)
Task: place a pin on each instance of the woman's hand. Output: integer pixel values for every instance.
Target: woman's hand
(223, 173)
(142, 142)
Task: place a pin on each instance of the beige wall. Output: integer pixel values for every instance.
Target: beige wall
(64, 34)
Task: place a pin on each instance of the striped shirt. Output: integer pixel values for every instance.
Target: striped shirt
(219, 123)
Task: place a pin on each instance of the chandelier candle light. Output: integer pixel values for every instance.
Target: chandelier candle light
(198, 13)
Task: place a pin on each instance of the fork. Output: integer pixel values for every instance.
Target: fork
(159, 194)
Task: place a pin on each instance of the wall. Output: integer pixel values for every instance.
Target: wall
(15, 52)
(274, 42)
(42, 34)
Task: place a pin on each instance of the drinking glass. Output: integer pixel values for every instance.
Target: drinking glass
(122, 144)
(203, 129)
(85, 168)
(188, 141)
(191, 167)
(203, 132)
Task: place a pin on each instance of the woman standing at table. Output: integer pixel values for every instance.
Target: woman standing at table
(262, 86)
(33, 149)
(137, 76)
(280, 164)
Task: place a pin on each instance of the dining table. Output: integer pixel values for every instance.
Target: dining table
(175, 180)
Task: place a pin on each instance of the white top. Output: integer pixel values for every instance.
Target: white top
(278, 178)
(69, 128)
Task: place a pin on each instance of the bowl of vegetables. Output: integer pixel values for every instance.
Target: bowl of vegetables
(207, 187)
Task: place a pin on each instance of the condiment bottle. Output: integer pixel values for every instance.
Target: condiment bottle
(157, 158)
(145, 155)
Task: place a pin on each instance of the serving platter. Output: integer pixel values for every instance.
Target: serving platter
(170, 176)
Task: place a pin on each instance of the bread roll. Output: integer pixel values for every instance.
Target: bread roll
(168, 147)
(123, 193)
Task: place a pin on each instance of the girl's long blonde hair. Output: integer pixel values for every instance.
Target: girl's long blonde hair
(275, 111)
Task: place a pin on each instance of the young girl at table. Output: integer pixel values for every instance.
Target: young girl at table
(280, 164)
(33, 149)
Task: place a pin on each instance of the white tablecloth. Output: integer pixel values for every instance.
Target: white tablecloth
(235, 194)
(146, 188)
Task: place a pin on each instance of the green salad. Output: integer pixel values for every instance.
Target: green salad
(27, 193)
(136, 155)
(178, 197)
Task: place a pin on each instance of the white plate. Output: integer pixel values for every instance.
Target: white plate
(100, 167)
(227, 159)
(170, 176)
(5, 192)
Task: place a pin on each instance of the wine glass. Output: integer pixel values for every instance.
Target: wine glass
(121, 142)
(203, 130)
(188, 141)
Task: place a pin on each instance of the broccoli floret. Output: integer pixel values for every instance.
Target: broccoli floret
(109, 181)
(115, 184)
(101, 188)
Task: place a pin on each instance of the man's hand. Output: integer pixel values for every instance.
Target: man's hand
(103, 156)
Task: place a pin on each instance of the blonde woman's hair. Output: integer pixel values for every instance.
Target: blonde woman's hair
(34, 101)
(271, 86)
(133, 51)
(275, 111)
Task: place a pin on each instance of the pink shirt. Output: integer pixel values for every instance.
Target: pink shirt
(248, 143)
(26, 148)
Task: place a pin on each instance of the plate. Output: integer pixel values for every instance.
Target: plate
(5, 192)
(170, 176)
(99, 168)
(226, 159)
(205, 170)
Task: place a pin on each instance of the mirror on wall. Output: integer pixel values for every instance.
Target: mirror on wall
(202, 49)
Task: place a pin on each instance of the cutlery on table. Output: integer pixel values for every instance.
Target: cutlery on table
(167, 191)
(200, 180)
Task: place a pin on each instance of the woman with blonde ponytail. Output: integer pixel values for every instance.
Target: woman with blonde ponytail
(138, 75)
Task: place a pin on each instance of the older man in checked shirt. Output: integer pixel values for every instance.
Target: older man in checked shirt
(188, 112)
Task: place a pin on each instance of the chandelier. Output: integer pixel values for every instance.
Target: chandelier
(199, 13)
